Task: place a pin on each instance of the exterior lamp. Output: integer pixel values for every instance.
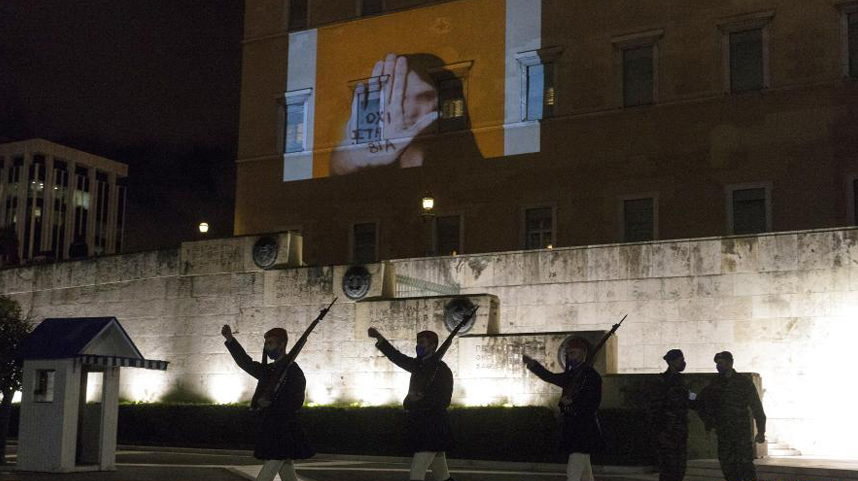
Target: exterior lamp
(204, 227)
(428, 204)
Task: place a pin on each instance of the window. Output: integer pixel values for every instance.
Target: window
(537, 83)
(852, 43)
(638, 76)
(744, 50)
(61, 190)
(13, 179)
(297, 14)
(35, 206)
(636, 61)
(81, 205)
(539, 87)
(448, 235)
(451, 104)
(539, 227)
(295, 121)
(368, 128)
(749, 209)
(746, 60)
(364, 243)
(43, 391)
(639, 220)
(102, 195)
(371, 7)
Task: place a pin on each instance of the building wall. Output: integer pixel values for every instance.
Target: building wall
(784, 304)
(686, 149)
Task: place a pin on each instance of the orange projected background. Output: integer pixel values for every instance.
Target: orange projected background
(472, 31)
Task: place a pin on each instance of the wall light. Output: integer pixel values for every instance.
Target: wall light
(204, 227)
(428, 204)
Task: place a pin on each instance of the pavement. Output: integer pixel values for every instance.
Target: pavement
(178, 464)
(186, 464)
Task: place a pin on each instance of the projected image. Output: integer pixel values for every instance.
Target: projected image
(440, 86)
(407, 98)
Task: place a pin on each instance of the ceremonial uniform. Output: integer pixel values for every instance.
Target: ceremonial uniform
(279, 435)
(427, 426)
(580, 429)
(669, 418)
(724, 405)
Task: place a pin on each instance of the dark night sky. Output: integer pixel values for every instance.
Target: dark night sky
(153, 84)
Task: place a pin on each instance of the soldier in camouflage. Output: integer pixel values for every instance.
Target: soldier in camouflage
(725, 405)
(669, 406)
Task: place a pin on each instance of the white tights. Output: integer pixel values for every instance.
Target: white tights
(272, 466)
(579, 468)
(424, 460)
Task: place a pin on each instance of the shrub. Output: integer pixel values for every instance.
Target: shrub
(493, 433)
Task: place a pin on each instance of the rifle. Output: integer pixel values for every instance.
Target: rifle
(282, 365)
(574, 388)
(591, 358)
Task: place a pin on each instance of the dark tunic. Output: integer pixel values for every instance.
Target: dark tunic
(668, 411)
(427, 426)
(727, 404)
(580, 426)
(279, 432)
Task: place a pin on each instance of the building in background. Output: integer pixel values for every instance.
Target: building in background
(558, 123)
(59, 203)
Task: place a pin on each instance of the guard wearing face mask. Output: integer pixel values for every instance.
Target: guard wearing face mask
(429, 392)
(669, 406)
(582, 394)
(727, 404)
(278, 397)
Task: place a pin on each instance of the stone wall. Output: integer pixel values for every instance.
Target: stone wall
(784, 304)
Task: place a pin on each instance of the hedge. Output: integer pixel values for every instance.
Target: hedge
(492, 433)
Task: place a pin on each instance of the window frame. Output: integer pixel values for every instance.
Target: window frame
(846, 8)
(523, 219)
(651, 38)
(435, 242)
(621, 209)
(294, 97)
(753, 21)
(359, 8)
(543, 56)
(732, 188)
(459, 71)
(352, 244)
(49, 394)
(290, 27)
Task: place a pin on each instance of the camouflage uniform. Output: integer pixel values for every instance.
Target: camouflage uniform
(724, 405)
(669, 418)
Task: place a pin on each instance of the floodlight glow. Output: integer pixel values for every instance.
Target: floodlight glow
(145, 385)
(225, 388)
(94, 386)
(204, 227)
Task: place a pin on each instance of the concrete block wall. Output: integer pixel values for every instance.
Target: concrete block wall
(784, 304)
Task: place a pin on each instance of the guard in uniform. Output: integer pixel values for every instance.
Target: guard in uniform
(727, 404)
(582, 394)
(278, 397)
(668, 411)
(429, 392)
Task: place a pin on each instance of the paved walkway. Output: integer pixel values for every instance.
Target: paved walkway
(178, 464)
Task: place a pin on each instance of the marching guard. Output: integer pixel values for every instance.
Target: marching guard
(429, 392)
(279, 396)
